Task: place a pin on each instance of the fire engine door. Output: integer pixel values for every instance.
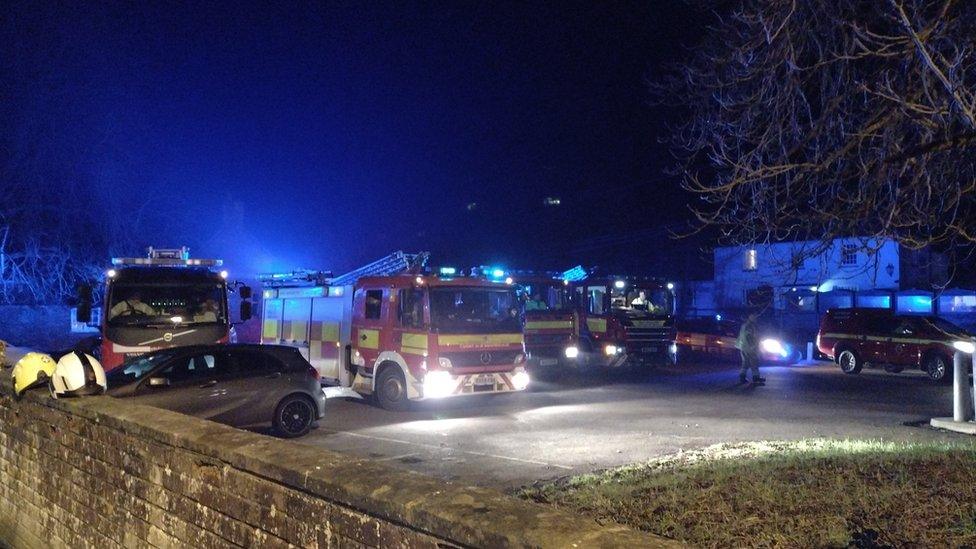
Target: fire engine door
(271, 326)
(410, 333)
(294, 324)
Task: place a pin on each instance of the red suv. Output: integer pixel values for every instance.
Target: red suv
(855, 338)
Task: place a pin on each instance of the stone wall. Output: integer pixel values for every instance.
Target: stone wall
(101, 472)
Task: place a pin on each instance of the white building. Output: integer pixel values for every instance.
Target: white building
(808, 277)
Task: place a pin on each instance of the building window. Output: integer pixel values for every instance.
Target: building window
(848, 254)
(750, 260)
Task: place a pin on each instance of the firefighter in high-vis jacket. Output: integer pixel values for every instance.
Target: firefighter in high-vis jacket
(748, 345)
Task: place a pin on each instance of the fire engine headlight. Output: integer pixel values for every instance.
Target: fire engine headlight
(572, 351)
(438, 384)
(610, 350)
(444, 363)
(520, 380)
(964, 346)
(774, 347)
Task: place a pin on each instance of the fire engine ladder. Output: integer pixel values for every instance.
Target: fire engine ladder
(395, 263)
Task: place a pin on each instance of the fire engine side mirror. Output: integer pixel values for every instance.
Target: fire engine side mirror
(244, 291)
(246, 311)
(84, 303)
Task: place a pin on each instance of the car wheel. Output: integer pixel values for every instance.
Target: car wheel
(849, 362)
(937, 368)
(391, 390)
(893, 368)
(294, 416)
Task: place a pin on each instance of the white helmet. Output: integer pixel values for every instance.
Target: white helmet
(78, 374)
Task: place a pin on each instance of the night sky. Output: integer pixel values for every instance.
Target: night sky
(323, 135)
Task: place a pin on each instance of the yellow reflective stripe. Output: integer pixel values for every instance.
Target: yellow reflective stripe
(270, 330)
(548, 324)
(413, 351)
(596, 324)
(480, 340)
(314, 350)
(369, 339)
(295, 330)
(324, 331)
(416, 341)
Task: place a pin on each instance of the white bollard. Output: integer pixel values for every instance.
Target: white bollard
(962, 402)
(809, 351)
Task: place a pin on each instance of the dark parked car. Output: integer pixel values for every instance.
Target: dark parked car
(855, 338)
(240, 385)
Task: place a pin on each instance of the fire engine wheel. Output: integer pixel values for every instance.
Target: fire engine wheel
(849, 362)
(391, 390)
(294, 416)
(937, 368)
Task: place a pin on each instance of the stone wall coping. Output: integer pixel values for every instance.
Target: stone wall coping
(465, 515)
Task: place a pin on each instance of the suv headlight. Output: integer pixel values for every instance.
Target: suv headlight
(964, 346)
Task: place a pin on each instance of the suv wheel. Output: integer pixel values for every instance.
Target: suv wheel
(294, 416)
(937, 368)
(849, 362)
(391, 390)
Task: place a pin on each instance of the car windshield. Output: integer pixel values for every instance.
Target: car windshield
(136, 368)
(167, 304)
(458, 310)
(656, 301)
(554, 296)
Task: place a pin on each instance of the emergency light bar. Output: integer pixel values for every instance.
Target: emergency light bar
(170, 257)
(575, 274)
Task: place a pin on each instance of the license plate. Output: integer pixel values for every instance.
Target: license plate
(484, 379)
(649, 350)
(548, 362)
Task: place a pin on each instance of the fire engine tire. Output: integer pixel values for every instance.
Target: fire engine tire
(293, 417)
(391, 390)
(937, 368)
(849, 362)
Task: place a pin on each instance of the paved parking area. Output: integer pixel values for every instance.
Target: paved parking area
(587, 423)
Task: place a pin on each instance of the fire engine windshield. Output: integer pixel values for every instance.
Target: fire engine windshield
(152, 305)
(547, 297)
(656, 301)
(459, 310)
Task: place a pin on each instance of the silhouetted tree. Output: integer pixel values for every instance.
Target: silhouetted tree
(815, 119)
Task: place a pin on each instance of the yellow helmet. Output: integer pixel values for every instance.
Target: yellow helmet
(33, 370)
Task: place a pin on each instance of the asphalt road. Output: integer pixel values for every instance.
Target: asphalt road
(588, 423)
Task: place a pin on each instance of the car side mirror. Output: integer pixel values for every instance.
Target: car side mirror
(84, 304)
(244, 291)
(158, 382)
(246, 310)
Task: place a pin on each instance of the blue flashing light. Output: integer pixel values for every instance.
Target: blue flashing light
(448, 271)
(718, 317)
(575, 274)
(497, 273)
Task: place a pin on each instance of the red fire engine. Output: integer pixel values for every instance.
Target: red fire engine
(165, 299)
(587, 319)
(392, 331)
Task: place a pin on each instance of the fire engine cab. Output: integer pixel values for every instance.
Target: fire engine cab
(394, 331)
(583, 318)
(165, 299)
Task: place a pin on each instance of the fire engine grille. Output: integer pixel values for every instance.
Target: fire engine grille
(476, 358)
(655, 335)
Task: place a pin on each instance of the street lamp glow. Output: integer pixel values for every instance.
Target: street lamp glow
(111, 273)
(619, 284)
(670, 285)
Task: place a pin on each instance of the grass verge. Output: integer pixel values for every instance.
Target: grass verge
(810, 493)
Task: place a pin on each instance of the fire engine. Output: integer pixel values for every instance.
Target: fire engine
(581, 317)
(165, 299)
(392, 330)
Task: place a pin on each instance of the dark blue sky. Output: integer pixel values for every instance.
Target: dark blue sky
(283, 135)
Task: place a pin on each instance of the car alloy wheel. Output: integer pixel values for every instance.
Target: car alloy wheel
(848, 362)
(936, 368)
(295, 417)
